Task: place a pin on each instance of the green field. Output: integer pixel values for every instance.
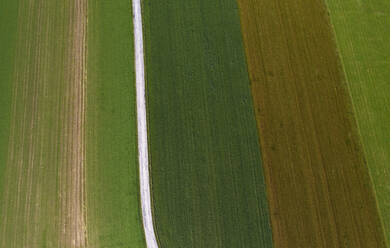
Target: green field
(43, 78)
(8, 25)
(68, 155)
(362, 31)
(114, 217)
(206, 171)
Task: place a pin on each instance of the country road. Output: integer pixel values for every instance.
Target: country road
(142, 128)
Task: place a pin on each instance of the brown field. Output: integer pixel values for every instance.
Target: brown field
(319, 189)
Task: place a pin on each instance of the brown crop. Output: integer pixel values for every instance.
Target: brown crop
(319, 189)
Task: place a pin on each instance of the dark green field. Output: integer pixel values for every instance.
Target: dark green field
(206, 170)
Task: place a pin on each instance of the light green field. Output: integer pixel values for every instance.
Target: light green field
(114, 217)
(206, 170)
(362, 31)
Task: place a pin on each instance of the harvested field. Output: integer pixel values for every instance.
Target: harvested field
(362, 32)
(206, 170)
(319, 189)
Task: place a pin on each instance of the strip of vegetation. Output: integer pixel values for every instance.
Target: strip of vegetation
(114, 216)
(362, 31)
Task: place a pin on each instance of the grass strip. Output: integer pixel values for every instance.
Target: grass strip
(362, 31)
(114, 216)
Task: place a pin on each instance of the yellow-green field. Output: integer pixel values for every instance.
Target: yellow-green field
(362, 31)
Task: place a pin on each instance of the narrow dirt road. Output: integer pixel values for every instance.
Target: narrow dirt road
(147, 218)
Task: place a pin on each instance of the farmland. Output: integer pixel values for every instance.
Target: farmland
(69, 171)
(42, 197)
(319, 189)
(114, 217)
(8, 24)
(206, 170)
(267, 124)
(362, 32)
